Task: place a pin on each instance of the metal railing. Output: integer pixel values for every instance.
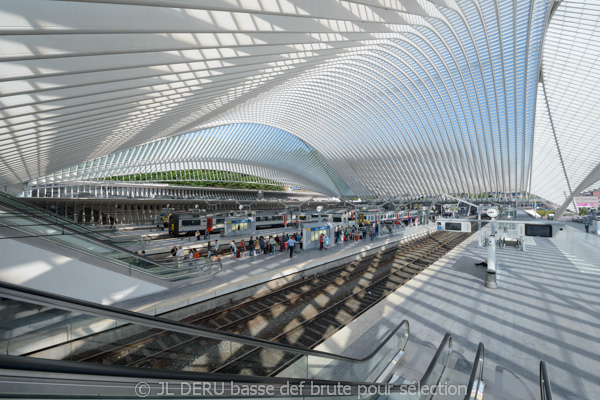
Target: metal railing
(40, 226)
(476, 384)
(81, 316)
(545, 388)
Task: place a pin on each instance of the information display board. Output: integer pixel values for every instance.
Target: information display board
(237, 226)
(311, 232)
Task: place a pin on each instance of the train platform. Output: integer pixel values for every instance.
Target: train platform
(239, 274)
(161, 242)
(546, 308)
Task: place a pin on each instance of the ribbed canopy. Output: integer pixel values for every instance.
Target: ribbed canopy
(370, 98)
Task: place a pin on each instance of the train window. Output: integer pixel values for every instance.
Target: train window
(190, 222)
(337, 219)
(220, 220)
(302, 218)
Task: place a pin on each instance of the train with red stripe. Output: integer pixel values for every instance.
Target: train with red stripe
(186, 223)
(386, 217)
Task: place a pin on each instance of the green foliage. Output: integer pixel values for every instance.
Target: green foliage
(584, 211)
(204, 178)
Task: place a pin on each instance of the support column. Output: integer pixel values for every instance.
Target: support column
(490, 278)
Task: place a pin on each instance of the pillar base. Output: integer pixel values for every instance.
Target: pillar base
(490, 280)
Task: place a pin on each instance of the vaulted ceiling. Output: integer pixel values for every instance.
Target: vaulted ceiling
(375, 98)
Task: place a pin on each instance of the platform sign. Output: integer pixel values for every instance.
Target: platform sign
(454, 225)
(317, 228)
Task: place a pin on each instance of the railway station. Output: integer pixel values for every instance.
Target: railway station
(319, 199)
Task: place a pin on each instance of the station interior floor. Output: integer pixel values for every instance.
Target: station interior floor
(546, 308)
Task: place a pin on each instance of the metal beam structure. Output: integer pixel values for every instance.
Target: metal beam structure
(370, 99)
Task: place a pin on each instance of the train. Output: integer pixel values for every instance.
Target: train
(386, 217)
(185, 223)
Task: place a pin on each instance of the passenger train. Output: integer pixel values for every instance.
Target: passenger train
(184, 223)
(386, 217)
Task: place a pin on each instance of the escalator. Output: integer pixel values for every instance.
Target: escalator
(21, 221)
(44, 355)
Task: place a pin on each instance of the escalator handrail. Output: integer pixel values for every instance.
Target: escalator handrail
(126, 252)
(445, 345)
(60, 367)
(98, 310)
(48, 214)
(545, 387)
(476, 373)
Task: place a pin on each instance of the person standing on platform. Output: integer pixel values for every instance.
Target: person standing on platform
(242, 248)
(256, 247)
(251, 246)
(587, 226)
(174, 251)
(272, 245)
(232, 248)
(217, 249)
(321, 242)
(326, 241)
(209, 248)
(291, 243)
(197, 235)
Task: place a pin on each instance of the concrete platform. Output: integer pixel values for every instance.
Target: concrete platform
(238, 274)
(162, 243)
(547, 307)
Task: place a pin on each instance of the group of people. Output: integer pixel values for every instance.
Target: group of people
(278, 243)
(261, 245)
(348, 233)
(182, 254)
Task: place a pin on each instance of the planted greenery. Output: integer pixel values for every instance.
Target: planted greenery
(204, 178)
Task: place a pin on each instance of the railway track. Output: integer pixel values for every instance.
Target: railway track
(303, 313)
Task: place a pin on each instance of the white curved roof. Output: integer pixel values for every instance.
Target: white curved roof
(373, 98)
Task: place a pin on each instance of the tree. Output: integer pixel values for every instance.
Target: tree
(583, 211)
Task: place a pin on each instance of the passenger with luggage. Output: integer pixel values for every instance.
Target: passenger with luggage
(233, 248)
